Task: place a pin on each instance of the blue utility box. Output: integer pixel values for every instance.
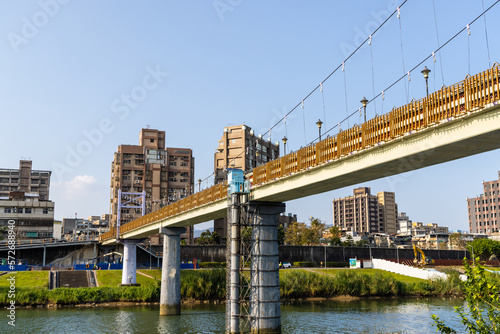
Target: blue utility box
(236, 182)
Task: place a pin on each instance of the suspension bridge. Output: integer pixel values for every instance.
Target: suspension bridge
(453, 122)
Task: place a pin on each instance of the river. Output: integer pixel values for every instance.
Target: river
(386, 315)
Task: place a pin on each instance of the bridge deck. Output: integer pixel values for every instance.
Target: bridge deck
(454, 122)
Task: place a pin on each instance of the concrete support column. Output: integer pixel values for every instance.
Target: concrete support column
(44, 255)
(170, 292)
(129, 262)
(265, 308)
(234, 281)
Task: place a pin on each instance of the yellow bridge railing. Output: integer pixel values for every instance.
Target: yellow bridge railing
(464, 97)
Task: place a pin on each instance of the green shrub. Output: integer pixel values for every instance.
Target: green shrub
(204, 284)
(305, 264)
(212, 264)
(337, 264)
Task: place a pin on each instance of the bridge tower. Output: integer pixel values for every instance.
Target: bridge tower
(252, 239)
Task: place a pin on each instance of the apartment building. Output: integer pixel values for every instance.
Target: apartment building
(240, 148)
(25, 179)
(484, 210)
(32, 217)
(164, 174)
(388, 212)
(366, 213)
(404, 224)
(425, 229)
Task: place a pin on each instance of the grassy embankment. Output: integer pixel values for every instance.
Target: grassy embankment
(31, 287)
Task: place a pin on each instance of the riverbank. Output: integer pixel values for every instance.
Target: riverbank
(205, 286)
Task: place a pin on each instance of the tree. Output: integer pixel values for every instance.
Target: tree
(281, 234)
(482, 311)
(335, 238)
(349, 241)
(484, 248)
(293, 234)
(361, 243)
(208, 238)
(314, 232)
(300, 234)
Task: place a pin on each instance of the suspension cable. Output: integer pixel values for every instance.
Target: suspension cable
(437, 37)
(323, 97)
(340, 65)
(373, 72)
(486, 34)
(416, 66)
(345, 93)
(402, 53)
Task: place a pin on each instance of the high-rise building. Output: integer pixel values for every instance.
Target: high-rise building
(240, 148)
(366, 213)
(387, 212)
(24, 200)
(484, 210)
(25, 179)
(165, 174)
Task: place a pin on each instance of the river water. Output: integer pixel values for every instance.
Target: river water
(396, 315)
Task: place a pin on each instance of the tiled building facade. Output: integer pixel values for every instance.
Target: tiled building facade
(366, 213)
(240, 148)
(165, 174)
(484, 210)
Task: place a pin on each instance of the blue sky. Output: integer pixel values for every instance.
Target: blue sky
(79, 78)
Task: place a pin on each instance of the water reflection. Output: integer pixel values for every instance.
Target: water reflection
(368, 316)
(391, 315)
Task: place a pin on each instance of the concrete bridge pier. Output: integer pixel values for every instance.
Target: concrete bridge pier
(129, 262)
(170, 292)
(265, 311)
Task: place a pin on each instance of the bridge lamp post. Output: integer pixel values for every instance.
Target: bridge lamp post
(199, 185)
(364, 102)
(426, 72)
(284, 144)
(319, 124)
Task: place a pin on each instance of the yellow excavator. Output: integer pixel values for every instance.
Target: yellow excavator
(424, 260)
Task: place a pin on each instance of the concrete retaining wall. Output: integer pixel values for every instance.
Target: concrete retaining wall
(317, 253)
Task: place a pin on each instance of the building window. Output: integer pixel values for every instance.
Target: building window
(151, 140)
(28, 210)
(20, 210)
(172, 163)
(7, 210)
(45, 211)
